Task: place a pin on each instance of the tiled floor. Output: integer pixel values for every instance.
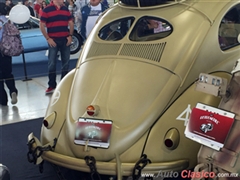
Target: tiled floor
(32, 101)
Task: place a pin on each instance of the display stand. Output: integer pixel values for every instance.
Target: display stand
(25, 69)
(24, 61)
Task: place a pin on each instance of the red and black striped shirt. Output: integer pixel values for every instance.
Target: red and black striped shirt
(56, 20)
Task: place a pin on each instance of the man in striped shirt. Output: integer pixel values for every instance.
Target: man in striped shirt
(58, 21)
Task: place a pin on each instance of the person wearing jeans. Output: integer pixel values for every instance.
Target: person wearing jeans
(59, 24)
(52, 54)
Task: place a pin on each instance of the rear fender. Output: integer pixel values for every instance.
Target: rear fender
(173, 119)
(57, 107)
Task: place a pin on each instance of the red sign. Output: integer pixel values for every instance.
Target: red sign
(210, 125)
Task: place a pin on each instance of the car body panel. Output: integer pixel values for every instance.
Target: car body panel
(142, 85)
(108, 92)
(177, 118)
(33, 40)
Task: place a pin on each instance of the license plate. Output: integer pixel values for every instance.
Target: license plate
(93, 132)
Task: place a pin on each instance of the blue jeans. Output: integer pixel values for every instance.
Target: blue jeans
(52, 60)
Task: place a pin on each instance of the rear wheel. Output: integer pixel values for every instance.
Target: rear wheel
(77, 42)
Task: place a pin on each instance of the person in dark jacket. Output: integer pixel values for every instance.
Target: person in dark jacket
(90, 13)
(26, 3)
(105, 3)
(6, 75)
(9, 5)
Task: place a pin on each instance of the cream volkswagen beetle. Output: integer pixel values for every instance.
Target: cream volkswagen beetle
(123, 110)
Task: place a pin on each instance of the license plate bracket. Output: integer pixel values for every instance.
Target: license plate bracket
(94, 132)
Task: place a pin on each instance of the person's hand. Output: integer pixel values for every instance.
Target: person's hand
(51, 42)
(69, 40)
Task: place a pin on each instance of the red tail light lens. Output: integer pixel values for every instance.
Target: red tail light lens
(92, 110)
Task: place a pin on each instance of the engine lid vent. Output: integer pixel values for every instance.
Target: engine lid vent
(144, 51)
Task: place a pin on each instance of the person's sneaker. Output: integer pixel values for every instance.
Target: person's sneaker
(50, 90)
(14, 98)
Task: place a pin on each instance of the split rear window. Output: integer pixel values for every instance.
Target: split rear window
(146, 28)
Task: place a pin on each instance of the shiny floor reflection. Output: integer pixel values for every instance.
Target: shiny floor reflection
(32, 101)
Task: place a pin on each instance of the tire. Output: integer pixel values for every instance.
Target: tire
(77, 42)
(143, 3)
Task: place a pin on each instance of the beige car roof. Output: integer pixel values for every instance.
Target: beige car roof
(208, 8)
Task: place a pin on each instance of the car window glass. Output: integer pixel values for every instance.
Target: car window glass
(229, 29)
(116, 30)
(150, 28)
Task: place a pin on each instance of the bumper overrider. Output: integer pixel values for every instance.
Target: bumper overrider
(108, 168)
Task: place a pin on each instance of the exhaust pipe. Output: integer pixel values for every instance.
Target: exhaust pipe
(171, 139)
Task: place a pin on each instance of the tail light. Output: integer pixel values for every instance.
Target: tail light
(93, 110)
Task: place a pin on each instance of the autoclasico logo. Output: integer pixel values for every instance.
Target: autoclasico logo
(183, 174)
(202, 174)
